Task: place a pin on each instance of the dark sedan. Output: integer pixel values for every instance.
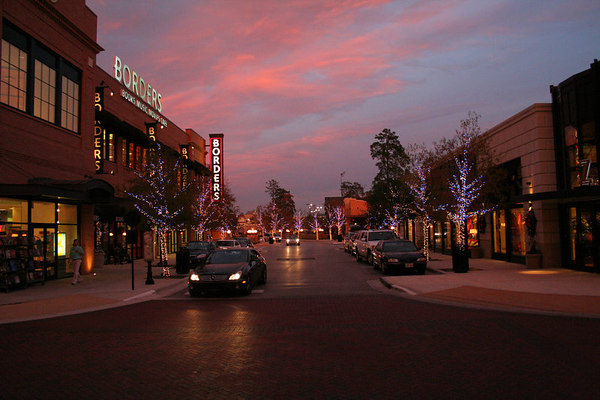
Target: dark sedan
(199, 250)
(398, 254)
(236, 269)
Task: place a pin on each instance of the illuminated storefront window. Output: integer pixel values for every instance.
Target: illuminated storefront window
(472, 232)
(517, 230)
(499, 231)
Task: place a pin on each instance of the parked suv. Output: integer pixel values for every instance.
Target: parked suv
(367, 240)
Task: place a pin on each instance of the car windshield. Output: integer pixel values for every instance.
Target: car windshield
(198, 246)
(293, 237)
(243, 241)
(399, 246)
(228, 257)
(224, 243)
(381, 236)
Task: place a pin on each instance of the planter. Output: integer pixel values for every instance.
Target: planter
(476, 252)
(533, 260)
(460, 261)
(98, 259)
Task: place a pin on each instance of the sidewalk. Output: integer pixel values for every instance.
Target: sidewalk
(109, 286)
(504, 286)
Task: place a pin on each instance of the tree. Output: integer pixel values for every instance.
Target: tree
(352, 189)
(315, 224)
(330, 221)
(298, 221)
(389, 195)
(282, 200)
(157, 192)
(205, 210)
(421, 171)
(391, 157)
(339, 217)
(465, 186)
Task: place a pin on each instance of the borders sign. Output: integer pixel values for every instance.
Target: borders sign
(216, 165)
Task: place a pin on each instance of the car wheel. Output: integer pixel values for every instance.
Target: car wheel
(264, 276)
(194, 293)
(421, 270)
(358, 259)
(248, 288)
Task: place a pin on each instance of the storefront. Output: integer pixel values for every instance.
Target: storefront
(36, 233)
(576, 105)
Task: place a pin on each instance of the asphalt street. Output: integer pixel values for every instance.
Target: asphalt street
(318, 329)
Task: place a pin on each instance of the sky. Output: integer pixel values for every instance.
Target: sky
(300, 88)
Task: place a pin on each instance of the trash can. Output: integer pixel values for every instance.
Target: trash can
(182, 261)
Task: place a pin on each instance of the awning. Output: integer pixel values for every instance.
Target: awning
(86, 191)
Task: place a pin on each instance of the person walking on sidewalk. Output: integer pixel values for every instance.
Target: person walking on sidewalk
(76, 259)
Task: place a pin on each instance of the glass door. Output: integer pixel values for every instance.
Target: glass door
(44, 253)
(587, 239)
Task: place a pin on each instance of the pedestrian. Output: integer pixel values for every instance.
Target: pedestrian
(76, 259)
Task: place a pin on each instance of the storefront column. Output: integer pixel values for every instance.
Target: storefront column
(87, 238)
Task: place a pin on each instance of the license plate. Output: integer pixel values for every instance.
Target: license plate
(409, 265)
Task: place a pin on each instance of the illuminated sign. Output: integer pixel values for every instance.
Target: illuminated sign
(216, 164)
(136, 84)
(184, 149)
(140, 88)
(98, 131)
(62, 244)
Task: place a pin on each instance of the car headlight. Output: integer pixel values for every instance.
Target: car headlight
(194, 277)
(235, 277)
(393, 260)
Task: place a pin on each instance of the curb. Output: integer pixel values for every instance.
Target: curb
(410, 295)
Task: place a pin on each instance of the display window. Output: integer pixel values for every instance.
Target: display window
(518, 230)
(472, 231)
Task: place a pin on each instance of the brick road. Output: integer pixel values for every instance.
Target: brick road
(337, 347)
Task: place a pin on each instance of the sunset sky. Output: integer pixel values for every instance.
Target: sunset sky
(301, 87)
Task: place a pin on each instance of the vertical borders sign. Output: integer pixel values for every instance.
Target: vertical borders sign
(99, 130)
(216, 165)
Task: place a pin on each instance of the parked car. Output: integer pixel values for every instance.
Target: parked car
(226, 243)
(349, 242)
(277, 237)
(398, 254)
(366, 241)
(244, 241)
(292, 240)
(199, 250)
(235, 269)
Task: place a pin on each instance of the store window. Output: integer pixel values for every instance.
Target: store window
(472, 231)
(517, 228)
(70, 105)
(44, 92)
(499, 231)
(582, 157)
(13, 89)
(43, 212)
(13, 210)
(55, 82)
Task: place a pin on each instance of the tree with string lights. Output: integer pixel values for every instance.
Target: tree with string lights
(421, 170)
(157, 192)
(205, 210)
(298, 221)
(465, 186)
